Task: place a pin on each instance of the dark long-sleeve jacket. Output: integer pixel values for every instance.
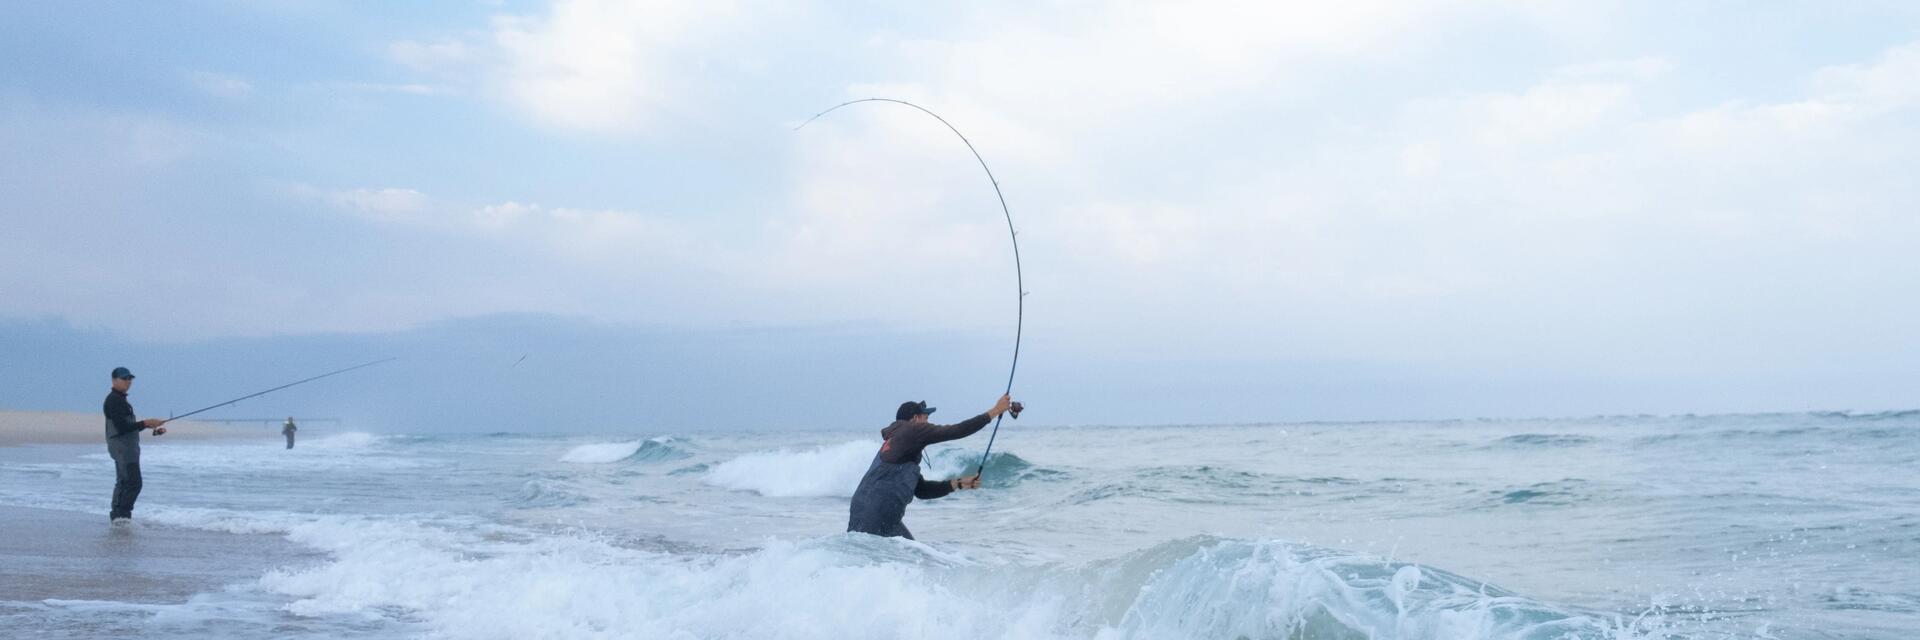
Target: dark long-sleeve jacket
(893, 479)
(120, 419)
(905, 440)
(924, 489)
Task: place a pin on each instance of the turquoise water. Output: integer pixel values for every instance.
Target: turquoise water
(1767, 526)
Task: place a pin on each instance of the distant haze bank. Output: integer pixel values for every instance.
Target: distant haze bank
(59, 427)
(537, 373)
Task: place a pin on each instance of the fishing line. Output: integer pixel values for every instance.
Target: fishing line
(1020, 314)
(262, 393)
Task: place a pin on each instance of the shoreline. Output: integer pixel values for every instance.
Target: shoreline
(48, 554)
(60, 427)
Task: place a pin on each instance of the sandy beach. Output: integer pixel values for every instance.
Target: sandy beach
(58, 427)
(69, 575)
(62, 555)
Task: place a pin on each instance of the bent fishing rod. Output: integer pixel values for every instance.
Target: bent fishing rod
(290, 384)
(1020, 313)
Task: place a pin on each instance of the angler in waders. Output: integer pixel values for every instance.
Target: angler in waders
(288, 431)
(893, 480)
(123, 443)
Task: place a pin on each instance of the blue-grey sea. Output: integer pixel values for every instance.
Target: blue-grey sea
(1789, 526)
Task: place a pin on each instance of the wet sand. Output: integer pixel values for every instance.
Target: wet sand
(62, 555)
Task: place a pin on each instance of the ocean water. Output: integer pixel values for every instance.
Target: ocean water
(1750, 526)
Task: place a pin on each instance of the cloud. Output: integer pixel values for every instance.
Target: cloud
(1643, 68)
(221, 85)
(1450, 225)
(1891, 83)
(604, 65)
(593, 66)
(387, 204)
(1842, 98)
(455, 258)
(618, 239)
(1035, 80)
(607, 238)
(845, 262)
(1273, 155)
(102, 139)
(1130, 55)
(1337, 181)
(439, 55)
(411, 88)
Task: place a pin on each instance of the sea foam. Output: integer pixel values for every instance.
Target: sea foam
(467, 584)
(826, 471)
(649, 450)
(602, 453)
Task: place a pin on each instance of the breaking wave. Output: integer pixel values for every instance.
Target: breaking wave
(819, 472)
(1545, 440)
(348, 440)
(1002, 470)
(835, 470)
(461, 583)
(650, 450)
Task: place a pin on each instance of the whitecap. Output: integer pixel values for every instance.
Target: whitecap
(826, 471)
(602, 453)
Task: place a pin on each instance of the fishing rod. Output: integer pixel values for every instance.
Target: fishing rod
(262, 393)
(1020, 313)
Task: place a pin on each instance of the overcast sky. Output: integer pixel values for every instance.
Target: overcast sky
(1228, 211)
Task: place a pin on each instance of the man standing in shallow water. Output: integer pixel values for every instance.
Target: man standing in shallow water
(123, 443)
(893, 480)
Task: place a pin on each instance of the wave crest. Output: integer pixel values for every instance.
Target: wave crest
(853, 585)
(819, 472)
(348, 440)
(1214, 588)
(650, 450)
(1002, 470)
(834, 471)
(1545, 440)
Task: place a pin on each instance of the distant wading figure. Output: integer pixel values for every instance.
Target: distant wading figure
(893, 480)
(123, 443)
(288, 431)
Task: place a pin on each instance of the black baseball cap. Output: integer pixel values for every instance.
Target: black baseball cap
(911, 409)
(121, 373)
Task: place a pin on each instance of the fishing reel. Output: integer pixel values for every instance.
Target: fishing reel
(1014, 409)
